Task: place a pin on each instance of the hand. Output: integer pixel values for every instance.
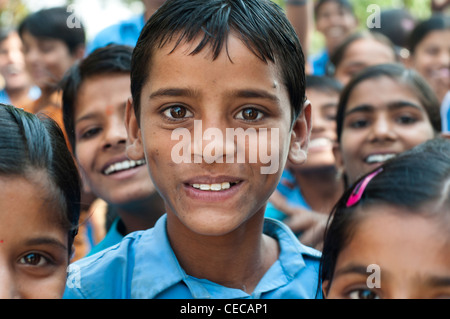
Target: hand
(311, 224)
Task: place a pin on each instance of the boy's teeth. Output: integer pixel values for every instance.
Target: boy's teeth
(120, 166)
(379, 158)
(212, 187)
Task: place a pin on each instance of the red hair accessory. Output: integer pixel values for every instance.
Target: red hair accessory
(356, 195)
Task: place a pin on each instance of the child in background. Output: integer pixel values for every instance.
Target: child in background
(95, 92)
(51, 47)
(18, 87)
(336, 20)
(39, 206)
(429, 45)
(374, 127)
(357, 52)
(219, 64)
(308, 192)
(389, 234)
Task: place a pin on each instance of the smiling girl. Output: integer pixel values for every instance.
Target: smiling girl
(384, 111)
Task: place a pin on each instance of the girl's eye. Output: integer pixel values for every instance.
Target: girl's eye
(363, 294)
(358, 123)
(90, 133)
(33, 259)
(405, 119)
(177, 112)
(250, 114)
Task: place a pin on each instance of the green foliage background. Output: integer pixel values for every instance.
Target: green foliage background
(420, 9)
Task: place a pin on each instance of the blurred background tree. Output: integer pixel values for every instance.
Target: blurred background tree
(12, 12)
(420, 9)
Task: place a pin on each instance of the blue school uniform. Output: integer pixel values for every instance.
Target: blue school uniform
(143, 265)
(111, 238)
(445, 113)
(293, 196)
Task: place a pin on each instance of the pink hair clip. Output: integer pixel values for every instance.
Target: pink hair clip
(356, 195)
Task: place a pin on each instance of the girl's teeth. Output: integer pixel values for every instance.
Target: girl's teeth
(212, 187)
(378, 158)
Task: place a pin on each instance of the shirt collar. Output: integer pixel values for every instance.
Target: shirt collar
(154, 250)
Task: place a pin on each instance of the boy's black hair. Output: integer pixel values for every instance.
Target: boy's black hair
(113, 58)
(260, 24)
(417, 180)
(399, 73)
(53, 23)
(437, 22)
(344, 4)
(29, 143)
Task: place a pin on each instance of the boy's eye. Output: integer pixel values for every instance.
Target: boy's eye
(250, 114)
(33, 259)
(177, 112)
(363, 294)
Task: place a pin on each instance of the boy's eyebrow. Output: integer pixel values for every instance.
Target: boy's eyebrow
(242, 93)
(255, 93)
(173, 92)
(391, 107)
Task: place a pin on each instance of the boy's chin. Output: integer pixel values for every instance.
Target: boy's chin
(213, 223)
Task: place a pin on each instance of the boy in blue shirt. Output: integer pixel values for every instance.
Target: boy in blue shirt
(202, 70)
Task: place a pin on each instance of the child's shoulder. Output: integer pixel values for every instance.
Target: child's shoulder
(107, 269)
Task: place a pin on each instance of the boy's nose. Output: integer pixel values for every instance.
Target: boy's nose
(210, 143)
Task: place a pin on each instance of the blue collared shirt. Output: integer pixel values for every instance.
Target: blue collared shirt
(293, 196)
(143, 265)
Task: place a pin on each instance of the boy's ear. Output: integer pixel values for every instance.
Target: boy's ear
(301, 132)
(134, 151)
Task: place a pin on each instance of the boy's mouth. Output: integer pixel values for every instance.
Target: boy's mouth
(122, 166)
(216, 187)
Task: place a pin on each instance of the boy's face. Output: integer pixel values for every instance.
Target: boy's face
(47, 59)
(187, 97)
(12, 63)
(100, 137)
(335, 22)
